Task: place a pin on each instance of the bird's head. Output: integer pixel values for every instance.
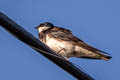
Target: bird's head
(44, 26)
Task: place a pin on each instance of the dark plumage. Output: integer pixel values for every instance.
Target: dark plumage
(47, 24)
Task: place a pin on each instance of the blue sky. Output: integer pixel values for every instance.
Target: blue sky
(97, 22)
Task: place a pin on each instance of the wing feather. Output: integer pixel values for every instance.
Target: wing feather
(66, 35)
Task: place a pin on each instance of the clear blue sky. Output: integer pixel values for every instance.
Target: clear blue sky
(97, 22)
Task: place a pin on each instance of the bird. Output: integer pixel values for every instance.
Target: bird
(66, 44)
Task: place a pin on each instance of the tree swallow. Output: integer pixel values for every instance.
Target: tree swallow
(64, 43)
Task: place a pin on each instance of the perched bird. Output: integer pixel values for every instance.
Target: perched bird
(64, 43)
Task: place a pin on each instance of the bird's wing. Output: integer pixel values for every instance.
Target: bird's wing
(90, 48)
(104, 55)
(70, 37)
(63, 34)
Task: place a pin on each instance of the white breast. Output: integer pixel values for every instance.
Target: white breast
(57, 45)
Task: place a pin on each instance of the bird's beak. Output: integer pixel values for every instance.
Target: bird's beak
(36, 27)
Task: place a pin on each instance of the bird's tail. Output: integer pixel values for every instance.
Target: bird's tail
(104, 56)
(97, 55)
(100, 57)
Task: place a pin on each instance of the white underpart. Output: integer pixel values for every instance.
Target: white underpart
(82, 52)
(57, 45)
(40, 29)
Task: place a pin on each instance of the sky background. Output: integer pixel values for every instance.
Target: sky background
(97, 22)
